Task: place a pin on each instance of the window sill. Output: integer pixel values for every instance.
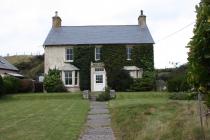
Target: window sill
(73, 86)
(128, 59)
(68, 61)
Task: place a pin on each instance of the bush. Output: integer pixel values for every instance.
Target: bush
(178, 83)
(104, 96)
(11, 84)
(121, 80)
(144, 84)
(1, 86)
(182, 96)
(53, 82)
(26, 85)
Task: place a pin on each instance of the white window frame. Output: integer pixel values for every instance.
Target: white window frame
(97, 53)
(74, 78)
(128, 53)
(68, 77)
(71, 55)
(99, 79)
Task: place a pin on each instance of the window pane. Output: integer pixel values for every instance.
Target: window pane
(69, 54)
(128, 52)
(68, 77)
(98, 53)
(99, 78)
(99, 69)
(76, 78)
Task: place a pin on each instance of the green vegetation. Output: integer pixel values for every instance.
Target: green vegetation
(83, 55)
(42, 116)
(144, 84)
(29, 66)
(177, 81)
(1, 86)
(149, 116)
(114, 58)
(199, 54)
(11, 84)
(53, 82)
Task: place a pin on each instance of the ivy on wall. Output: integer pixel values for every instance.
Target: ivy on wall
(114, 58)
(83, 55)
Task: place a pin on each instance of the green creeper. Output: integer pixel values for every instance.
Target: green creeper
(199, 49)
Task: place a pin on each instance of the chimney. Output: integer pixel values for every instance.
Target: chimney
(56, 20)
(142, 20)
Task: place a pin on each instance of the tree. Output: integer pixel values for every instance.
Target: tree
(199, 50)
(53, 82)
(1, 86)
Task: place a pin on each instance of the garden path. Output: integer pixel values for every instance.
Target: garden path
(98, 125)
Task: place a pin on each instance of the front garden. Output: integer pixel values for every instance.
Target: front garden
(152, 115)
(42, 116)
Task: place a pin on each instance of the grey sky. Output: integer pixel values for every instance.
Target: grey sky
(25, 23)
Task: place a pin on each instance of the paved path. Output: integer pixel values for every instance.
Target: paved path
(98, 123)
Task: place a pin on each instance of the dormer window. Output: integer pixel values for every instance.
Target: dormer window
(128, 52)
(69, 54)
(97, 53)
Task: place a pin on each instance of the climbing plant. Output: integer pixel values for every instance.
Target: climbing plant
(114, 58)
(83, 55)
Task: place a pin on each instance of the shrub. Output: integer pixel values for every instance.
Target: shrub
(178, 83)
(121, 80)
(182, 96)
(11, 84)
(104, 96)
(1, 86)
(26, 85)
(144, 84)
(53, 82)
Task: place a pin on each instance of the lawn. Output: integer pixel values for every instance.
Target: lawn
(56, 116)
(152, 116)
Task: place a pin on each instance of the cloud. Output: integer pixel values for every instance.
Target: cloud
(25, 23)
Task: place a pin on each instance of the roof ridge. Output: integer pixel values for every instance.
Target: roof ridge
(96, 25)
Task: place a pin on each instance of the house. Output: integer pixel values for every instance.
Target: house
(88, 55)
(8, 69)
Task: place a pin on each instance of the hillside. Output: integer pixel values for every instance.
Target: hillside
(30, 66)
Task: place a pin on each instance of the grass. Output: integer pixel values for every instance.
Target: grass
(152, 116)
(42, 116)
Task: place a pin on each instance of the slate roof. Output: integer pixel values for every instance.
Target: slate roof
(110, 34)
(4, 64)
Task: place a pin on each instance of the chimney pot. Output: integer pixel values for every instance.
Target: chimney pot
(142, 12)
(56, 20)
(142, 20)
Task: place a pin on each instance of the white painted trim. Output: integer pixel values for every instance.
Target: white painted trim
(73, 78)
(65, 55)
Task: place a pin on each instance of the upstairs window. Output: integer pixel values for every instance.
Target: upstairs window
(128, 51)
(97, 54)
(69, 54)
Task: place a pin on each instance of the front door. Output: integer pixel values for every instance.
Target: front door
(99, 82)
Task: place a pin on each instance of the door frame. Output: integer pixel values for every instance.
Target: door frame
(97, 69)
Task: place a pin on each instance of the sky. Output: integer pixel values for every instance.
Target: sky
(25, 24)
